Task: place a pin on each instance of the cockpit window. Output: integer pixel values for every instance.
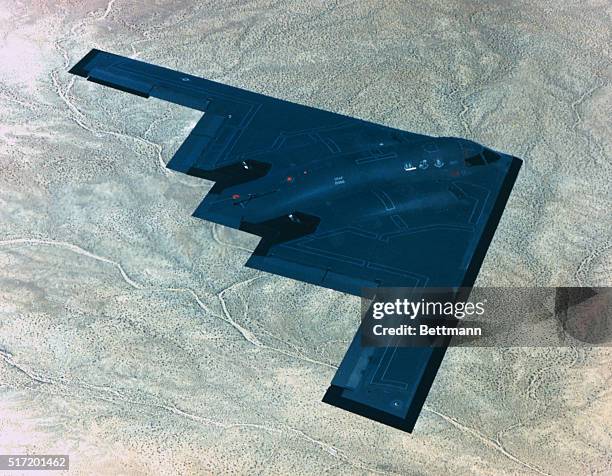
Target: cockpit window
(490, 156)
(474, 160)
(479, 159)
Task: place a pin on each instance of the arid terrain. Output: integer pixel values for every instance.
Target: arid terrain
(133, 338)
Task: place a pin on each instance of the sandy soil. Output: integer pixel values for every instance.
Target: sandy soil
(131, 335)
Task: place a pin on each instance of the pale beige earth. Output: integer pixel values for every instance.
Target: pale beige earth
(131, 335)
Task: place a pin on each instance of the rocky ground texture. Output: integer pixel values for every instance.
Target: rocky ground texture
(131, 335)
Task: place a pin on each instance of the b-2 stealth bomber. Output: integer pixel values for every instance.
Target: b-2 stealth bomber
(338, 202)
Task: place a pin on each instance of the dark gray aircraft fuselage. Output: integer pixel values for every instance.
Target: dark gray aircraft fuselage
(338, 202)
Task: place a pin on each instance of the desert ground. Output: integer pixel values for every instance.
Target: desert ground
(133, 338)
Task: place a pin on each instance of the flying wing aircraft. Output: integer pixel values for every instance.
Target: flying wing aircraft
(338, 202)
